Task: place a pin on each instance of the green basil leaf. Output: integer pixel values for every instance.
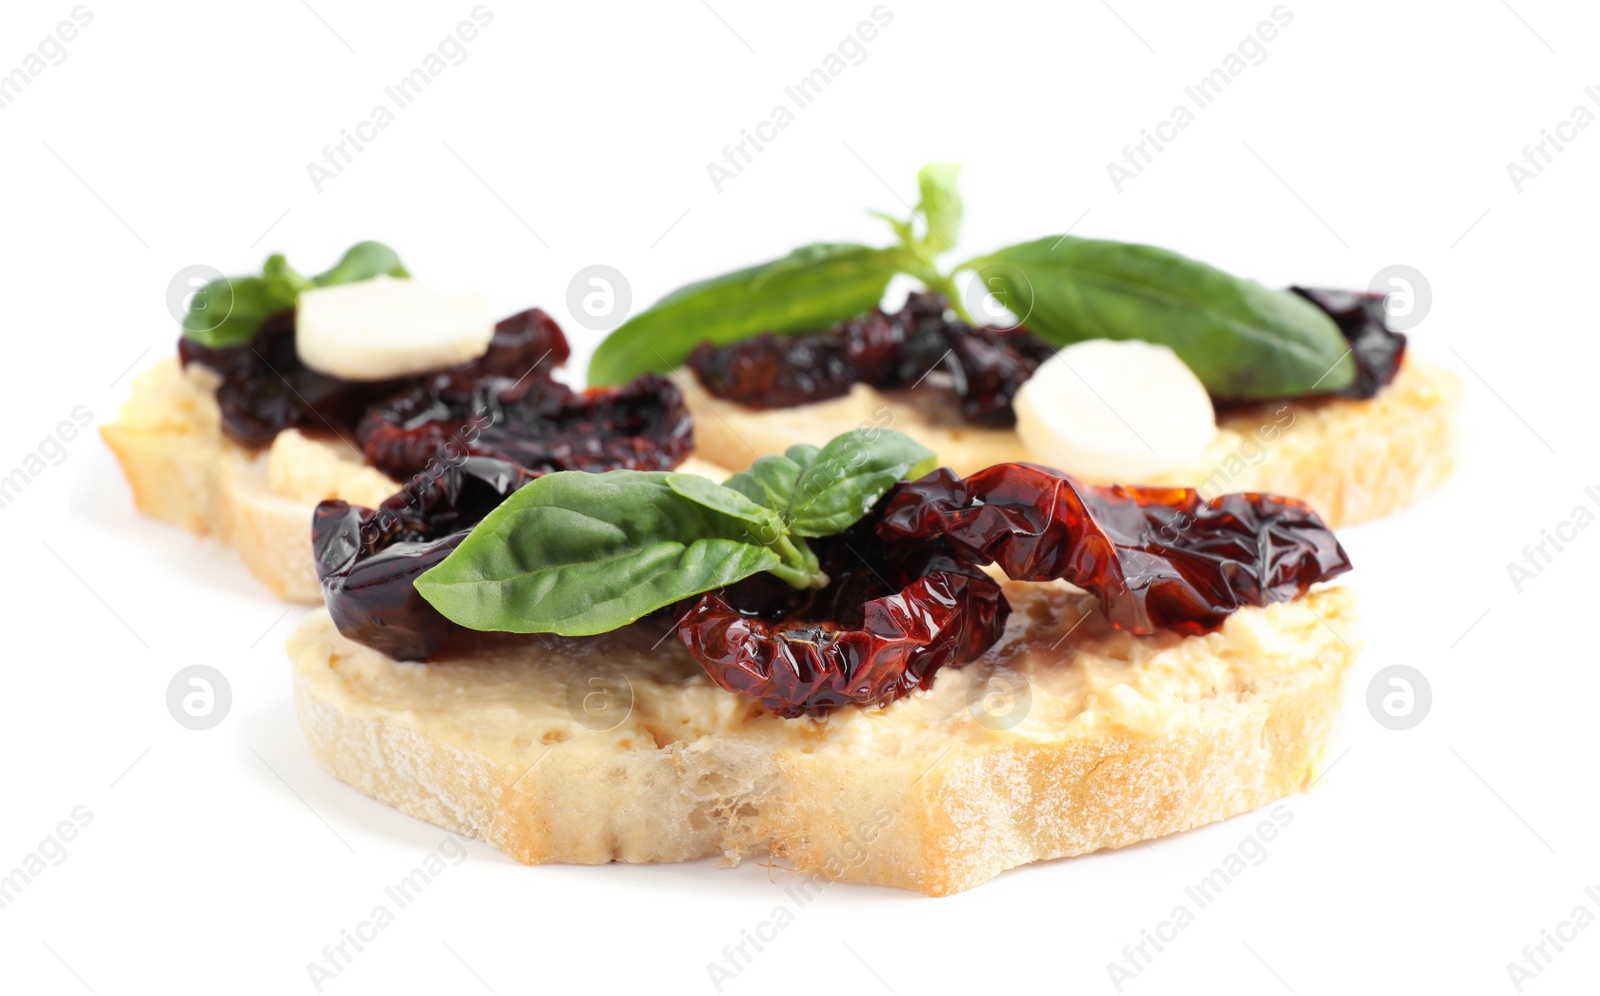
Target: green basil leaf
(228, 311)
(704, 491)
(848, 476)
(1243, 340)
(903, 230)
(807, 290)
(804, 454)
(577, 553)
(826, 491)
(770, 481)
(363, 261)
(277, 272)
(941, 204)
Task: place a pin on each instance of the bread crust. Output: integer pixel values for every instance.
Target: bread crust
(1125, 739)
(183, 470)
(1351, 460)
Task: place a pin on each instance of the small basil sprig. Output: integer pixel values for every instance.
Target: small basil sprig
(820, 492)
(576, 554)
(809, 289)
(940, 205)
(1241, 339)
(228, 311)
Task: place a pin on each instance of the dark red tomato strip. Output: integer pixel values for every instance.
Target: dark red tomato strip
(368, 560)
(266, 389)
(1363, 321)
(810, 668)
(985, 365)
(1157, 558)
(540, 423)
(891, 615)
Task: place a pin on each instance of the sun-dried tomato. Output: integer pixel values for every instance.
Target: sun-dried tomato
(265, 388)
(906, 596)
(775, 371)
(507, 404)
(540, 424)
(368, 560)
(892, 615)
(802, 668)
(987, 367)
(467, 437)
(1157, 558)
(984, 366)
(1363, 320)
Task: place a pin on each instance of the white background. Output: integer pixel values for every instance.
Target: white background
(1374, 133)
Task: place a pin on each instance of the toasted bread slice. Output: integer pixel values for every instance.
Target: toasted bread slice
(183, 470)
(1350, 460)
(1067, 737)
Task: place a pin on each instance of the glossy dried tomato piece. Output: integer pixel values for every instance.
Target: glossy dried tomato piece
(540, 424)
(526, 345)
(265, 388)
(1156, 558)
(891, 616)
(988, 366)
(775, 371)
(799, 668)
(368, 560)
(1363, 320)
(985, 366)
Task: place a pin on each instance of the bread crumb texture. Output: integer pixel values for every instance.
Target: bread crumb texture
(1067, 737)
(183, 470)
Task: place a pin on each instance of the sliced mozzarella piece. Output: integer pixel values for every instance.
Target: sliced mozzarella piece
(381, 328)
(1119, 411)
